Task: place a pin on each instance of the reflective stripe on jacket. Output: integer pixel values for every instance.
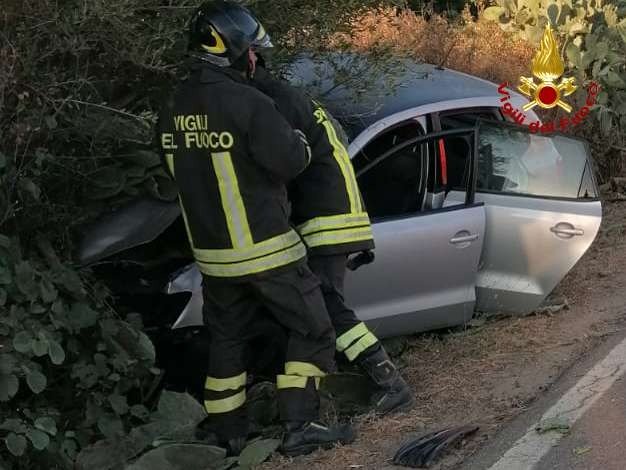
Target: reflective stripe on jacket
(232, 155)
(327, 206)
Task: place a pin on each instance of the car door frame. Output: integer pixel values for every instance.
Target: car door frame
(589, 165)
(440, 315)
(426, 111)
(527, 292)
(471, 184)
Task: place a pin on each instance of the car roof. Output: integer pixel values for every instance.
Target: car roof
(359, 90)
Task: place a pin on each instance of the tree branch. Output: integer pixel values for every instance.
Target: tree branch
(107, 108)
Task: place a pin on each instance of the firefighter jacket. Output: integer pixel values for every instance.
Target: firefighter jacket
(231, 154)
(326, 204)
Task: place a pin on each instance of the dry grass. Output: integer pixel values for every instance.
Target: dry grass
(458, 379)
(480, 48)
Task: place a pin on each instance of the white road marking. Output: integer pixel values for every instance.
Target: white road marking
(532, 447)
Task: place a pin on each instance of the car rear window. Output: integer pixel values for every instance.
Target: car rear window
(512, 160)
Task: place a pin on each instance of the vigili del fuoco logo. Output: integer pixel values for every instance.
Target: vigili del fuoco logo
(548, 91)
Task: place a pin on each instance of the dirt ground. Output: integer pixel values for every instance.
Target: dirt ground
(488, 373)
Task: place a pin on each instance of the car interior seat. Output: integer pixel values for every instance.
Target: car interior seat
(458, 153)
(393, 185)
(405, 180)
(453, 155)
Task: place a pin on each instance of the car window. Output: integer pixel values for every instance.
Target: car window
(452, 156)
(512, 160)
(392, 182)
(385, 141)
(395, 182)
(465, 118)
(394, 185)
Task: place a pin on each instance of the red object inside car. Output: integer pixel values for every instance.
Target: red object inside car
(443, 162)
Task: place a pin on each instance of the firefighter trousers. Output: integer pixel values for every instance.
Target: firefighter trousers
(293, 297)
(354, 339)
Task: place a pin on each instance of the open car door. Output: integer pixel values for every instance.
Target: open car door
(424, 272)
(542, 213)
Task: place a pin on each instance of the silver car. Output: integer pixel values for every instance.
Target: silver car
(470, 211)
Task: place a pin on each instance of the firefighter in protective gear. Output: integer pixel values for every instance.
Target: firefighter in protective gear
(330, 215)
(232, 154)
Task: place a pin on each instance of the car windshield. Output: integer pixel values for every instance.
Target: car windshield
(512, 160)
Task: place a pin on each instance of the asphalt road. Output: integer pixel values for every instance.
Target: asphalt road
(591, 398)
(598, 440)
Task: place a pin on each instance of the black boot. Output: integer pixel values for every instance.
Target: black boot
(394, 395)
(305, 437)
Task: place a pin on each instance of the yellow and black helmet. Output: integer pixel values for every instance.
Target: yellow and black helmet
(221, 32)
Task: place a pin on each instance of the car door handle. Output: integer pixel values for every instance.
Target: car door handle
(464, 239)
(567, 230)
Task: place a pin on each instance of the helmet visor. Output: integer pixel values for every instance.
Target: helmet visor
(262, 40)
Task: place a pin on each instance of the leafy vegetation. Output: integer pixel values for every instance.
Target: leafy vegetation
(70, 370)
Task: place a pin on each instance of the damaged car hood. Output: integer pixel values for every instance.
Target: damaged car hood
(137, 223)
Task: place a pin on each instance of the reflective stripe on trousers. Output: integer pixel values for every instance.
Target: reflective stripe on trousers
(297, 375)
(223, 395)
(356, 340)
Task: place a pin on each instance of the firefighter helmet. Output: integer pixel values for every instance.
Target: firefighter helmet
(221, 32)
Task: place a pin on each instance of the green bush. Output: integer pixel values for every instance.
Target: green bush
(78, 85)
(68, 365)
